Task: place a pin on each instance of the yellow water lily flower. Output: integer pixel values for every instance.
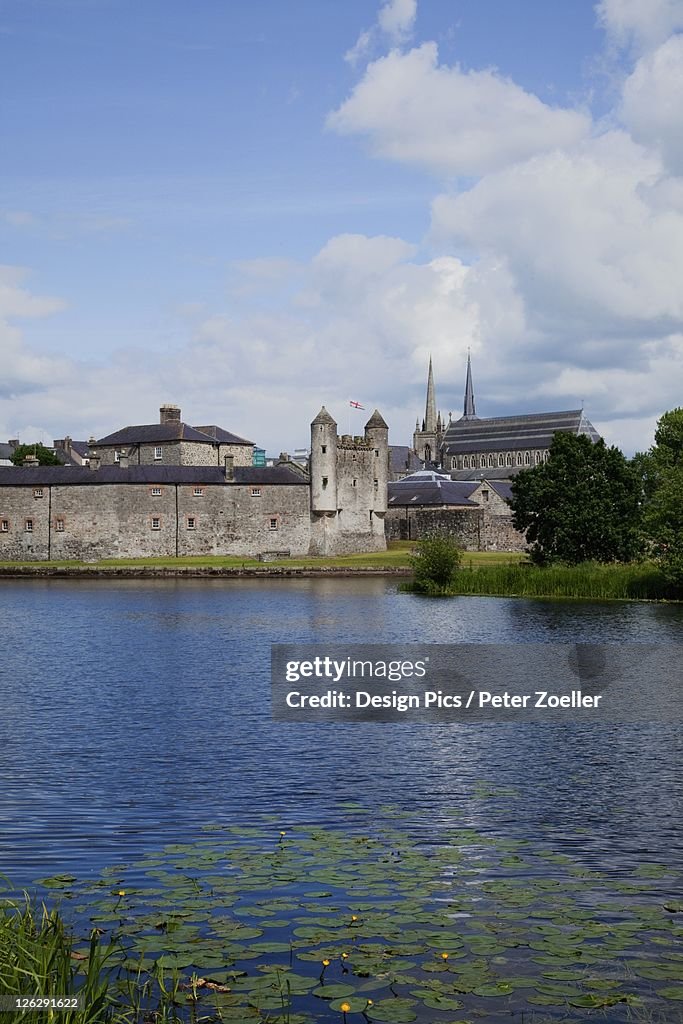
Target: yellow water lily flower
(444, 956)
(326, 963)
(345, 956)
(345, 1007)
(122, 892)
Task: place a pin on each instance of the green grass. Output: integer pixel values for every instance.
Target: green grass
(589, 581)
(397, 556)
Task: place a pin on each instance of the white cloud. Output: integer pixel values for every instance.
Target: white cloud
(640, 23)
(16, 301)
(396, 19)
(652, 105)
(451, 121)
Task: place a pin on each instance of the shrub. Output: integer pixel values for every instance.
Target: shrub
(435, 563)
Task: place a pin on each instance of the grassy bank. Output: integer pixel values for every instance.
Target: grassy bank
(397, 556)
(590, 581)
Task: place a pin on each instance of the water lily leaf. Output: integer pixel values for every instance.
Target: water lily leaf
(673, 992)
(333, 991)
(393, 1011)
(352, 1004)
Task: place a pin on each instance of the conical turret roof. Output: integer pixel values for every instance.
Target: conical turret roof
(376, 420)
(324, 417)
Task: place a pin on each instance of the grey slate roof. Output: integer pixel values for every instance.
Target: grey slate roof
(428, 488)
(222, 436)
(403, 459)
(510, 433)
(6, 450)
(376, 420)
(156, 433)
(324, 417)
(487, 473)
(47, 476)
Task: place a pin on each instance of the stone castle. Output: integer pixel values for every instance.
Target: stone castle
(170, 489)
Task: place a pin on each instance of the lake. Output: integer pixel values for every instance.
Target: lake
(136, 713)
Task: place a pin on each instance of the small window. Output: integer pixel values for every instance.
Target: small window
(519, 458)
(537, 458)
(273, 524)
(484, 495)
(256, 492)
(4, 525)
(490, 461)
(376, 484)
(501, 460)
(198, 492)
(156, 523)
(324, 482)
(29, 526)
(527, 458)
(509, 458)
(158, 452)
(376, 453)
(156, 492)
(117, 456)
(59, 525)
(323, 448)
(38, 492)
(354, 482)
(191, 522)
(466, 462)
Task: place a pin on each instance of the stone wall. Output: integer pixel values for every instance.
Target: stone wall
(91, 522)
(473, 529)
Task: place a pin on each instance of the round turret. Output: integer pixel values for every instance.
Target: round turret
(323, 463)
(377, 435)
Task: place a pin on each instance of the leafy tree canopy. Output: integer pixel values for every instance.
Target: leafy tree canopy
(435, 563)
(583, 504)
(663, 514)
(45, 456)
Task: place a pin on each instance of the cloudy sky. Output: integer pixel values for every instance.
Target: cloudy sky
(252, 209)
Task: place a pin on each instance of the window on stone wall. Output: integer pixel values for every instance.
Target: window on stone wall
(519, 459)
(466, 462)
(355, 482)
(527, 458)
(501, 460)
(376, 484)
(38, 492)
(117, 456)
(509, 459)
(4, 525)
(29, 526)
(484, 495)
(537, 457)
(158, 452)
(323, 448)
(273, 524)
(191, 523)
(59, 525)
(256, 492)
(156, 523)
(156, 491)
(491, 462)
(198, 492)
(324, 482)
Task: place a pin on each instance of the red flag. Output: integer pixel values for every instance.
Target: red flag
(356, 405)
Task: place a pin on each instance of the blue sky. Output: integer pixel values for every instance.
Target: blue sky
(255, 209)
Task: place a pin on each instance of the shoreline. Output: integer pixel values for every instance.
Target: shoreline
(43, 570)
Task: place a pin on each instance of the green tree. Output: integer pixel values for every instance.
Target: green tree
(582, 505)
(435, 563)
(663, 514)
(45, 456)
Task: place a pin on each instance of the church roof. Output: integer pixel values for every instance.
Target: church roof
(507, 433)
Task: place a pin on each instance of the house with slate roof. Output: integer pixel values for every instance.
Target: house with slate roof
(171, 442)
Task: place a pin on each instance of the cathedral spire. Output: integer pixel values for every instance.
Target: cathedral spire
(469, 410)
(430, 411)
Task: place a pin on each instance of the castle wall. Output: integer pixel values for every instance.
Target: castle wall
(472, 529)
(92, 522)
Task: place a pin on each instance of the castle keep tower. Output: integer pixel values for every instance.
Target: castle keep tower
(348, 486)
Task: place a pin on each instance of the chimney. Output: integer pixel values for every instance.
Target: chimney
(169, 414)
(123, 460)
(94, 459)
(284, 457)
(229, 461)
(31, 460)
(14, 442)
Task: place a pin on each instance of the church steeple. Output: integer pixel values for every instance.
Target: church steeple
(469, 412)
(430, 410)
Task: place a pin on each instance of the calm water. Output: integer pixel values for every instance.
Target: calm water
(135, 712)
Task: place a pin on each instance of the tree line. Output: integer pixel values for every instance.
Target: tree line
(588, 502)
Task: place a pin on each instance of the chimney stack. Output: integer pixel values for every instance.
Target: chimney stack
(31, 460)
(169, 414)
(229, 461)
(94, 459)
(123, 459)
